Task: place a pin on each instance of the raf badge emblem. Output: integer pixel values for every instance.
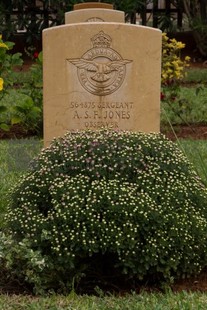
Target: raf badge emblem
(101, 70)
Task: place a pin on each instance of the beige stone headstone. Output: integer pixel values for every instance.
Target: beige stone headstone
(90, 5)
(101, 75)
(94, 15)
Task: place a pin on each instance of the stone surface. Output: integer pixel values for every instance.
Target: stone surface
(94, 15)
(89, 5)
(101, 75)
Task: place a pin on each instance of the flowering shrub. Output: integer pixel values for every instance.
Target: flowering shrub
(3, 47)
(173, 68)
(1, 84)
(7, 62)
(131, 197)
(173, 71)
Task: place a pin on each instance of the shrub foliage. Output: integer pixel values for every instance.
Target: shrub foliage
(173, 67)
(131, 197)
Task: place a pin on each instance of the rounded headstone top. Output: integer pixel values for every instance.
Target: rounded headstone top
(92, 5)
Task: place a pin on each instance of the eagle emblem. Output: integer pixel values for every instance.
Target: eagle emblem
(101, 70)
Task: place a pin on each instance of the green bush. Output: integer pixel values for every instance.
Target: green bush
(131, 200)
(23, 104)
(30, 112)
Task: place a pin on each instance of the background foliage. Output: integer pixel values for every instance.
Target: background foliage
(32, 19)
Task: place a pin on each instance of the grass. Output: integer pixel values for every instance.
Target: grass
(196, 152)
(15, 156)
(196, 75)
(191, 106)
(143, 301)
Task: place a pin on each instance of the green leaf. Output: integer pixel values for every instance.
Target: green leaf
(38, 85)
(16, 120)
(16, 59)
(3, 108)
(10, 44)
(29, 103)
(40, 57)
(25, 106)
(20, 109)
(37, 110)
(198, 90)
(5, 127)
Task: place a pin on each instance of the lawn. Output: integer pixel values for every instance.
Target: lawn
(143, 301)
(15, 156)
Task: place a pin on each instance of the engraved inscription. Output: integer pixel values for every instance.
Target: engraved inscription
(94, 115)
(94, 20)
(101, 70)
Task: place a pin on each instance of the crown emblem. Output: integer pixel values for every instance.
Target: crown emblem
(101, 40)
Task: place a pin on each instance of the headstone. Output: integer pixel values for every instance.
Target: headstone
(101, 75)
(94, 12)
(90, 5)
(94, 15)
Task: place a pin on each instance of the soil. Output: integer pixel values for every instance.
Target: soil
(16, 132)
(193, 284)
(110, 285)
(193, 131)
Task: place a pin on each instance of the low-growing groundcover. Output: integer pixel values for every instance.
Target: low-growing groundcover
(104, 206)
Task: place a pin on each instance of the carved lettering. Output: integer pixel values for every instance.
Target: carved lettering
(94, 114)
(97, 125)
(76, 115)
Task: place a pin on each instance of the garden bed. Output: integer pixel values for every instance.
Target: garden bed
(16, 132)
(194, 131)
(194, 284)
